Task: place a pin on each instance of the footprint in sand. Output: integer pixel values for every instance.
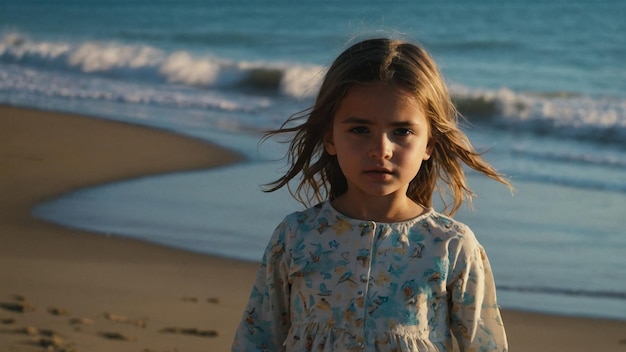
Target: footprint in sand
(122, 319)
(191, 331)
(213, 300)
(48, 339)
(18, 307)
(117, 336)
(58, 311)
(81, 321)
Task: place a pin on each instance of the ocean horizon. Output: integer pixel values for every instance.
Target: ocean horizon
(542, 85)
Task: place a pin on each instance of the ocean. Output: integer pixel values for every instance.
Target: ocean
(541, 83)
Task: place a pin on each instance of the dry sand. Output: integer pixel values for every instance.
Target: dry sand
(77, 291)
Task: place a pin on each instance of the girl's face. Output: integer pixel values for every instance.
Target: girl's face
(380, 136)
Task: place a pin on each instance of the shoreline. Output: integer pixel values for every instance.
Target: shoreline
(108, 293)
(88, 278)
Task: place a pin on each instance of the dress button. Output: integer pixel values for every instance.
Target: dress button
(363, 278)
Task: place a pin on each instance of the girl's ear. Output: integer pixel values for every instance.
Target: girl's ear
(429, 148)
(329, 145)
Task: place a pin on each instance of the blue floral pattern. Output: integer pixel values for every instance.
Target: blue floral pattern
(328, 282)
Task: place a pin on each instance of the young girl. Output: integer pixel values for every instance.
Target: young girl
(373, 267)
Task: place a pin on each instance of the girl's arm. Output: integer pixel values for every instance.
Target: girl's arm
(474, 315)
(265, 322)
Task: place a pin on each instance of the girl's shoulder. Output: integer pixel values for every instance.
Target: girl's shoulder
(445, 222)
(446, 228)
(310, 212)
(308, 215)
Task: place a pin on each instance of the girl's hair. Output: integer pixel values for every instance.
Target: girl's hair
(401, 64)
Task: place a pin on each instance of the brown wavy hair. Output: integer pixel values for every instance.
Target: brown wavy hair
(401, 64)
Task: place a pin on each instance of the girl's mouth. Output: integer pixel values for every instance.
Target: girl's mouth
(379, 174)
(379, 170)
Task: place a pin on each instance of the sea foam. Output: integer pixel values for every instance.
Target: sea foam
(142, 62)
(142, 74)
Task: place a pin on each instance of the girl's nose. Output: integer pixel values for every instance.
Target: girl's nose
(381, 147)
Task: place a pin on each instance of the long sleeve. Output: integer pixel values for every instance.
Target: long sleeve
(474, 316)
(265, 322)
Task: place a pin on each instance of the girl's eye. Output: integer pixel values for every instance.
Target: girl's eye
(402, 132)
(359, 130)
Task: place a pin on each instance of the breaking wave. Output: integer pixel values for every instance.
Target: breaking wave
(143, 74)
(147, 63)
(560, 114)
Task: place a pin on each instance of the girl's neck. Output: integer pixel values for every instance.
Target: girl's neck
(379, 209)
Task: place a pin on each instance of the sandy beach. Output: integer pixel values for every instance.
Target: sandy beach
(68, 290)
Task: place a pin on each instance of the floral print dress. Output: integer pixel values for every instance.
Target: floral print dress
(328, 282)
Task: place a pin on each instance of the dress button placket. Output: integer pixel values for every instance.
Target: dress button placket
(368, 231)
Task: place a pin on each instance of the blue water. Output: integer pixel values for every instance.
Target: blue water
(543, 84)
